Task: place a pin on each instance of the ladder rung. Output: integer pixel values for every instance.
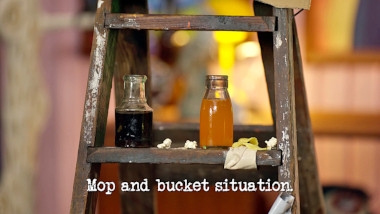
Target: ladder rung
(190, 22)
(179, 156)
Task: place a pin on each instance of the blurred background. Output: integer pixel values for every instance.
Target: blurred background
(44, 61)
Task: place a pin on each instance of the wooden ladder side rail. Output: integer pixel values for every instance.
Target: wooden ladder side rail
(311, 200)
(311, 197)
(95, 110)
(279, 72)
(285, 102)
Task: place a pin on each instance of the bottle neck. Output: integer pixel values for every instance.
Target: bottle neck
(134, 90)
(216, 87)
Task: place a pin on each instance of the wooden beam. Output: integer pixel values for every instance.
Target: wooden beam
(311, 198)
(187, 22)
(178, 156)
(345, 123)
(285, 102)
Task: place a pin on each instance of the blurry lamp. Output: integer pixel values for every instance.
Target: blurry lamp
(228, 40)
(180, 38)
(235, 46)
(247, 50)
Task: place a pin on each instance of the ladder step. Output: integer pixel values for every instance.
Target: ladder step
(178, 156)
(190, 22)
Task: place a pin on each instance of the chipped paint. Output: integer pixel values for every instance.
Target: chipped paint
(278, 41)
(100, 2)
(284, 115)
(286, 60)
(285, 135)
(284, 146)
(94, 83)
(131, 23)
(98, 63)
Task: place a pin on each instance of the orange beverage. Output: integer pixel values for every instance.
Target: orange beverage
(216, 124)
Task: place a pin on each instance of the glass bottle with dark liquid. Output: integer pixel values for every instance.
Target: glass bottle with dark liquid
(134, 117)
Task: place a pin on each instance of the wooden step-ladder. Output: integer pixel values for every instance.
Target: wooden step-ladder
(120, 46)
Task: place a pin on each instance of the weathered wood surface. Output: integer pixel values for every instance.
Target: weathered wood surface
(285, 102)
(132, 57)
(266, 44)
(311, 199)
(95, 109)
(175, 155)
(180, 132)
(190, 22)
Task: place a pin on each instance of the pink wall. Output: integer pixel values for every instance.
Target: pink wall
(65, 71)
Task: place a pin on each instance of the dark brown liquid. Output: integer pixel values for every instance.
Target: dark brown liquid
(133, 129)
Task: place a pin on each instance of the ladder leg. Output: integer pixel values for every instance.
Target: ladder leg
(310, 188)
(132, 58)
(95, 111)
(285, 102)
(266, 44)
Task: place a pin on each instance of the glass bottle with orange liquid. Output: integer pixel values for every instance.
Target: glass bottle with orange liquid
(216, 123)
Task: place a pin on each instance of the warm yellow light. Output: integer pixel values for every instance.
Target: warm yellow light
(180, 38)
(247, 49)
(232, 8)
(231, 37)
(217, 94)
(227, 40)
(226, 57)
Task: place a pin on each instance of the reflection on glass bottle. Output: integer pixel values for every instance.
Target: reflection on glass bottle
(134, 117)
(216, 123)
